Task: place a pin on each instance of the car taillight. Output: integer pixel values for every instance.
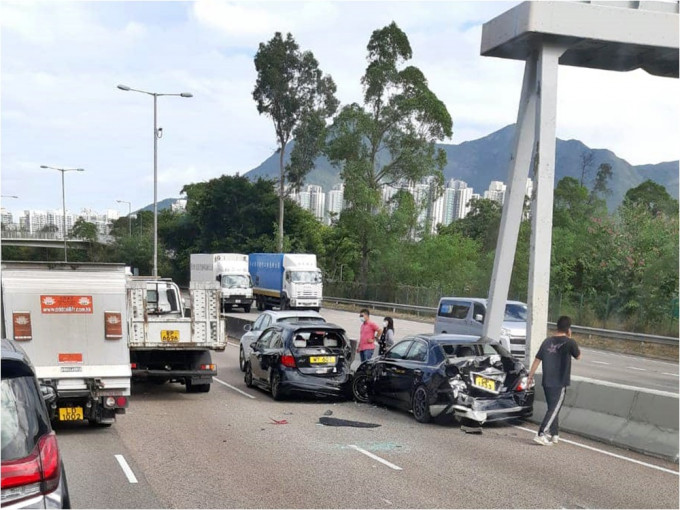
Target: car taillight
(522, 384)
(207, 367)
(288, 361)
(36, 474)
(133, 365)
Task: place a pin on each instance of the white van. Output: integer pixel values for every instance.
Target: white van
(465, 316)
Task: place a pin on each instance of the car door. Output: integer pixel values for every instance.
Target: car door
(257, 356)
(411, 368)
(271, 354)
(476, 326)
(387, 368)
(252, 335)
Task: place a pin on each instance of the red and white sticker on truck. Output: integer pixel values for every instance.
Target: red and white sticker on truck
(65, 304)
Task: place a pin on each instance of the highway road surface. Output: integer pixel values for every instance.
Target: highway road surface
(224, 449)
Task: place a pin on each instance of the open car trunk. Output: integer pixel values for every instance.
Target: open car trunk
(321, 353)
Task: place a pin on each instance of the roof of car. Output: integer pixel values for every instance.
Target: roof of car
(481, 300)
(454, 339)
(307, 325)
(281, 314)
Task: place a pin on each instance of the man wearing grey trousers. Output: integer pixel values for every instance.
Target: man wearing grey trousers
(555, 353)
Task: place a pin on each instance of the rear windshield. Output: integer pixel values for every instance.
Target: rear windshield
(470, 350)
(515, 313)
(24, 418)
(324, 338)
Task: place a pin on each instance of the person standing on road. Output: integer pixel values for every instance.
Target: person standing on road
(367, 335)
(555, 353)
(387, 336)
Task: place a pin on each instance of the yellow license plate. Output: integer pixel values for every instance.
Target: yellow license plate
(70, 413)
(170, 335)
(322, 359)
(483, 382)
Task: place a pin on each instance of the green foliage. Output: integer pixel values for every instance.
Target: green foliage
(390, 138)
(85, 230)
(653, 197)
(292, 90)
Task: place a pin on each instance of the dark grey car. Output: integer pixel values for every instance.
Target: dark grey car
(32, 470)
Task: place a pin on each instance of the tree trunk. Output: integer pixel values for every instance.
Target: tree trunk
(281, 182)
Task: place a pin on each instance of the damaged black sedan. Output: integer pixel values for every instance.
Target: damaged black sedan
(468, 377)
(301, 358)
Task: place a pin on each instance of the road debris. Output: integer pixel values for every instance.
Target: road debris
(337, 422)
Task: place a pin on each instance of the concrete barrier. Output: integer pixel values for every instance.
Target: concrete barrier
(235, 327)
(638, 419)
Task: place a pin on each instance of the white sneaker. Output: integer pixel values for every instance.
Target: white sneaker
(542, 440)
(555, 439)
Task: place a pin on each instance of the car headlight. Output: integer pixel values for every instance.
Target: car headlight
(505, 333)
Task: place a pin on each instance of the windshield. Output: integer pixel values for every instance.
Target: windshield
(235, 281)
(515, 313)
(452, 350)
(305, 276)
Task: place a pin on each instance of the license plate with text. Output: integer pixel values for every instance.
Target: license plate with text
(70, 413)
(170, 335)
(485, 383)
(322, 359)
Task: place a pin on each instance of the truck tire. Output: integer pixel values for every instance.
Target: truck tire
(246, 308)
(259, 305)
(197, 388)
(285, 303)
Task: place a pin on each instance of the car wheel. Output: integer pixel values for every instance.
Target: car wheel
(241, 359)
(360, 388)
(275, 385)
(248, 378)
(420, 405)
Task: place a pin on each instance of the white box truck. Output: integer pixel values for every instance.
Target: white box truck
(70, 318)
(231, 271)
(165, 343)
(286, 280)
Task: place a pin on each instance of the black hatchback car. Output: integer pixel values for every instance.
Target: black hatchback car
(301, 358)
(32, 470)
(436, 375)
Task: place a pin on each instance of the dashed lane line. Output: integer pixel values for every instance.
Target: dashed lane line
(637, 368)
(375, 457)
(234, 388)
(126, 469)
(668, 373)
(601, 362)
(615, 455)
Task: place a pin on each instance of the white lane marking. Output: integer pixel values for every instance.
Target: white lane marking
(601, 362)
(375, 457)
(233, 345)
(234, 388)
(636, 368)
(668, 373)
(126, 469)
(635, 461)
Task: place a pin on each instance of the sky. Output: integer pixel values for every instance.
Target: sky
(60, 63)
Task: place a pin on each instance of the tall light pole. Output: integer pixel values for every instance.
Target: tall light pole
(156, 136)
(63, 201)
(129, 213)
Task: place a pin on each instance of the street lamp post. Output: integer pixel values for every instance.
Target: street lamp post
(129, 214)
(156, 136)
(63, 201)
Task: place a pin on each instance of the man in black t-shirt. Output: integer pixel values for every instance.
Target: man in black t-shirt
(555, 353)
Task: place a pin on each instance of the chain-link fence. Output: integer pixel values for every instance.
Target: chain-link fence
(652, 316)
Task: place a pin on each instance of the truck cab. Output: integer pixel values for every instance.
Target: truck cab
(303, 287)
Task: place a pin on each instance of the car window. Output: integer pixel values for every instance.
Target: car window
(24, 418)
(399, 350)
(276, 341)
(288, 320)
(454, 309)
(467, 350)
(258, 323)
(515, 313)
(479, 310)
(265, 338)
(266, 321)
(418, 351)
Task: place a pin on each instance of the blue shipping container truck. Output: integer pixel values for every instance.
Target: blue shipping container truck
(285, 280)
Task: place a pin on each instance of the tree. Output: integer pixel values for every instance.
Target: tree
(390, 139)
(481, 223)
(294, 93)
(653, 197)
(586, 161)
(85, 230)
(601, 185)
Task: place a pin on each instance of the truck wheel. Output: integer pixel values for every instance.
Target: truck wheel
(248, 379)
(285, 304)
(246, 308)
(259, 305)
(275, 385)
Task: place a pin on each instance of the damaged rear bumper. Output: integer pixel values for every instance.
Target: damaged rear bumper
(338, 386)
(487, 410)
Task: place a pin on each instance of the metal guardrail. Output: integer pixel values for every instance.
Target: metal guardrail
(581, 330)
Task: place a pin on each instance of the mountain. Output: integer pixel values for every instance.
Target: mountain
(166, 203)
(478, 162)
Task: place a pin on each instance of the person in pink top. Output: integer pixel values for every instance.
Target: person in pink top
(367, 335)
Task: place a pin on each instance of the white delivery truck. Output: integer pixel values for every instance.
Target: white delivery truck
(286, 280)
(231, 271)
(168, 344)
(70, 318)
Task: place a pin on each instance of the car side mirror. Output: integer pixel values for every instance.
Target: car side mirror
(479, 317)
(247, 327)
(253, 346)
(49, 394)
